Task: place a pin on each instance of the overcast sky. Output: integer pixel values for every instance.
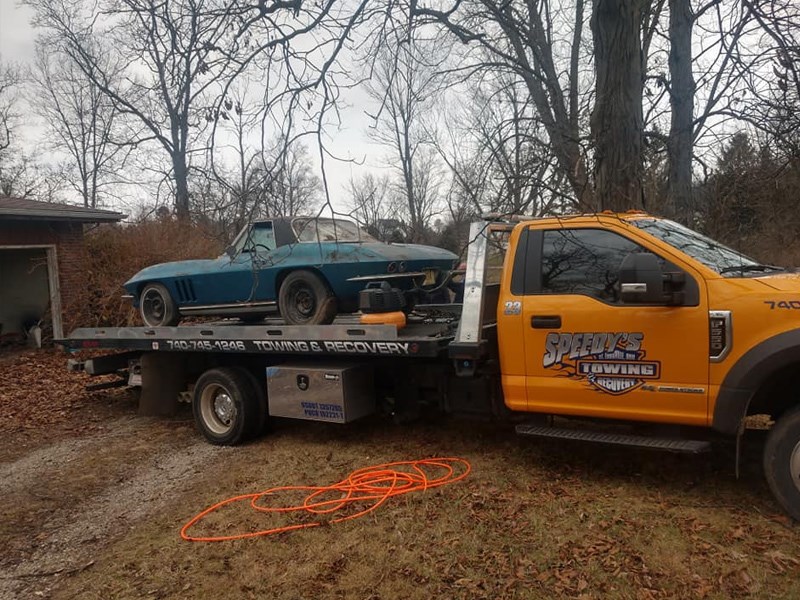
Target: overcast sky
(16, 33)
(17, 37)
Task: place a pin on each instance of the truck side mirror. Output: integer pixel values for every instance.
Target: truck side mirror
(643, 281)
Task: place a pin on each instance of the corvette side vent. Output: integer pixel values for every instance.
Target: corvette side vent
(185, 290)
(719, 334)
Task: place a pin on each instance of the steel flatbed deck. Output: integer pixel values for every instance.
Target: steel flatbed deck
(346, 336)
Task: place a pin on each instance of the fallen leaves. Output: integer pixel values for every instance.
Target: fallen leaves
(37, 392)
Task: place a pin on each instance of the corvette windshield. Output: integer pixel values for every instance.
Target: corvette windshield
(329, 230)
(712, 254)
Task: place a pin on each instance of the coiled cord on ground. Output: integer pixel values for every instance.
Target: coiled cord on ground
(370, 486)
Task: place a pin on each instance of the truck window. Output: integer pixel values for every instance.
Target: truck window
(584, 261)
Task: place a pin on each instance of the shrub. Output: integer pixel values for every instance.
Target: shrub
(115, 253)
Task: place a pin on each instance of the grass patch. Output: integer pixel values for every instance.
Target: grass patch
(534, 520)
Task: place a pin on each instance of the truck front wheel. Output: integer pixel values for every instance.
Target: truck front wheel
(782, 462)
(225, 406)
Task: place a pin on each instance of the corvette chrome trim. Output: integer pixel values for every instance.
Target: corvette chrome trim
(387, 276)
(235, 305)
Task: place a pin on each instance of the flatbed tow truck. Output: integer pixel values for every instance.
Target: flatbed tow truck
(613, 319)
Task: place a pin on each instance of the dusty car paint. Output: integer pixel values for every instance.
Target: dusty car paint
(256, 276)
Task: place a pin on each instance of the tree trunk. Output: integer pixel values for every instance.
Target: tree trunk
(681, 99)
(617, 116)
(181, 185)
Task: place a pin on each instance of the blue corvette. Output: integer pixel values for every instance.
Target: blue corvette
(308, 269)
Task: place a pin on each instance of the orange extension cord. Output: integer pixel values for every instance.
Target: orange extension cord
(373, 485)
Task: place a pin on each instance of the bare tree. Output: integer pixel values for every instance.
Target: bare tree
(82, 121)
(294, 188)
(773, 84)
(617, 120)
(702, 85)
(9, 84)
(20, 176)
(261, 173)
(168, 53)
(244, 179)
(503, 161)
(455, 141)
(404, 84)
(373, 206)
(681, 98)
(180, 57)
(524, 38)
(693, 87)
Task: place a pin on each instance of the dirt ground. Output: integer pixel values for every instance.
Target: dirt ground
(94, 498)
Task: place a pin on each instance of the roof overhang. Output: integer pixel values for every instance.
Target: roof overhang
(26, 210)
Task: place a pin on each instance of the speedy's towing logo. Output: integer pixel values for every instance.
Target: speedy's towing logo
(611, 362)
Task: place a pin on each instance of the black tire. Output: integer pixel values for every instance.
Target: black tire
(782, 462)
(225, 406)
(305, 299)
(259, 389)
(157, 307)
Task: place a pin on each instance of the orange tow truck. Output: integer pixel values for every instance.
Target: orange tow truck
(610, 318)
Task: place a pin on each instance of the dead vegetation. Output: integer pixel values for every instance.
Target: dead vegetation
(95, 512)
(115, 253)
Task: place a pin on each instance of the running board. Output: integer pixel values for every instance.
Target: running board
(617, 439)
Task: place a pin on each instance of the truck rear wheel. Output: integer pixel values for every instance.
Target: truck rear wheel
(782, 462)
(226, 407)
(259, 387)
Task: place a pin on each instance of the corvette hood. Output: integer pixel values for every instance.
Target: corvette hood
(176, 269)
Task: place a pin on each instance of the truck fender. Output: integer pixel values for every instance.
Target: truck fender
(748, 374)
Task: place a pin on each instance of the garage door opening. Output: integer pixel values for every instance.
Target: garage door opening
(29, 293)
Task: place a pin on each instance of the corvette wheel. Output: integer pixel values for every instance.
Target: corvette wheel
(305, 299)
(157, 307)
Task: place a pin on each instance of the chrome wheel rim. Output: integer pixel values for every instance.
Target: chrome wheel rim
(218, 409)
(153, 307)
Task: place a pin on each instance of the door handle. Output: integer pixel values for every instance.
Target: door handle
(546, 322)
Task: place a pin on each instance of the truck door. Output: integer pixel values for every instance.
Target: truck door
(588, 353)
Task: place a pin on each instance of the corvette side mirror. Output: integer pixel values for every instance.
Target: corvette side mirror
(231, 252)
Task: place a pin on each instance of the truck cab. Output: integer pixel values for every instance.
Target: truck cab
(628, 316)
(637, 318)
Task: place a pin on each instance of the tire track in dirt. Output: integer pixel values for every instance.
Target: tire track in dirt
(75, 532)
(26, 471)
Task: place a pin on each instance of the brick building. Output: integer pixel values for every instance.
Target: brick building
(41, 263)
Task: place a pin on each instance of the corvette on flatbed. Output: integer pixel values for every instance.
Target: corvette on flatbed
(307, 268)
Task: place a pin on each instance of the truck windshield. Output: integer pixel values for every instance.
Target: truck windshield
(714, 255)
(329, 230)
